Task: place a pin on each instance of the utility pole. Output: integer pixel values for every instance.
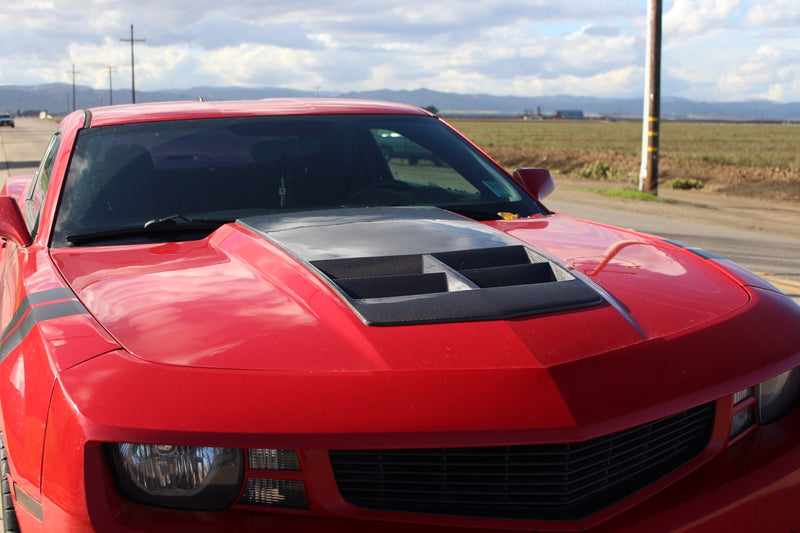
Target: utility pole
(648, 175)
(74, 74)
(110, 86)
(133, 77)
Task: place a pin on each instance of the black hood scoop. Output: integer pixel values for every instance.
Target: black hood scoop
(398, 265)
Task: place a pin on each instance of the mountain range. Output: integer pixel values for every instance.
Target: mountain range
(56, 98)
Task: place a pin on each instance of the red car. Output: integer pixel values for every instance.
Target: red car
(239, 316)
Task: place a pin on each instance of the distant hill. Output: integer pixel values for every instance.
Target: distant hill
(57, 99)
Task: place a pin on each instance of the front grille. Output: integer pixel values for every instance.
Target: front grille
(539, 482)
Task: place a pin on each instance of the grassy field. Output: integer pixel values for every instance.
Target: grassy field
(741, 159)
(727, 143)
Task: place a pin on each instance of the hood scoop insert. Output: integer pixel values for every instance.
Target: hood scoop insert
(458, 269)
(383, 277)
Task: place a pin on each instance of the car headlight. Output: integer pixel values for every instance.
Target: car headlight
(185, 477)
(777, 396)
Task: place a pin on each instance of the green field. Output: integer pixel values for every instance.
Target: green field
(765, 145)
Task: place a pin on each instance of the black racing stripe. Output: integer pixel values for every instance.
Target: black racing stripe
(49, 295)
(705, 254)
(35, 298)
(18, 314)
(679, 244)
(27, 316)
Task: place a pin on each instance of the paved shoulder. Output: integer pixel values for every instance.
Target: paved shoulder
(22, 147)
(775, 257)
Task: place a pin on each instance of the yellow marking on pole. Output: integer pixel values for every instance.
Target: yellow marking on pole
(652, 133)
(653, 119)
(652, 149)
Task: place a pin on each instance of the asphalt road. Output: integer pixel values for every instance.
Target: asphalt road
(773, 251)
(22, 147)
(776, 258)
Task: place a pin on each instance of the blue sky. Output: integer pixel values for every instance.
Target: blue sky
(713, 50)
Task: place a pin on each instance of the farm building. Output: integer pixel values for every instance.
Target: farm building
(570, 114)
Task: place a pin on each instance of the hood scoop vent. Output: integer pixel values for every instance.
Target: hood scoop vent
(383, 277)
(458, 270)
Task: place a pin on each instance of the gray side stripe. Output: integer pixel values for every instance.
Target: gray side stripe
(27, 316)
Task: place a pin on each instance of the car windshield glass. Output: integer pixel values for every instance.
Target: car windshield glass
(219, 169)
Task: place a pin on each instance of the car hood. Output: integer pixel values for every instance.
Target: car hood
(395, 289)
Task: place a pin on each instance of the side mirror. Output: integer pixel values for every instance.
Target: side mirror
(536, 181)
(12, 226)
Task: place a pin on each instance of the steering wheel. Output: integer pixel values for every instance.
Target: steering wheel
(394, 187)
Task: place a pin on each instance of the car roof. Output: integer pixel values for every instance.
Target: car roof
(163, 111)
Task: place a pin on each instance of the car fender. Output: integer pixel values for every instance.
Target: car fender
(33, 353)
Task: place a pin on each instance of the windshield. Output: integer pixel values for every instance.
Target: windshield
(124, 177)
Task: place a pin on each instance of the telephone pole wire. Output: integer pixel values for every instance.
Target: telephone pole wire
(648, 175)
(133, 76)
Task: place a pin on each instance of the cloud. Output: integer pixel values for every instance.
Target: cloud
(622, 82)
(220, 31)
(694, 17)
(775, 14)
(770, 73)
(523, 47)
(260, 65)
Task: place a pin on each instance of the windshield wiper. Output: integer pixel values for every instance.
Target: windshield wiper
(181, 221)
(171, 224)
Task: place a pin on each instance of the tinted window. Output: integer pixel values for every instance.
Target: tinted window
(35, 200)
(233, 168)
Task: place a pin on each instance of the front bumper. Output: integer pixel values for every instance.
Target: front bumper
(749, 483)
(752, 485)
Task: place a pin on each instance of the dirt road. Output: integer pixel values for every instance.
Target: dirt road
(737, 213)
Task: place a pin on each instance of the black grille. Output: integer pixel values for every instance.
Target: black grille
(539, 482)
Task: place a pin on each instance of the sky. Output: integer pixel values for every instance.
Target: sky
(713, 50)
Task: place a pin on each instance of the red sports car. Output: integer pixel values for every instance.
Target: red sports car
(241, 316)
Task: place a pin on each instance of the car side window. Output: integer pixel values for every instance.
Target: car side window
(411, 163)
(35, 199)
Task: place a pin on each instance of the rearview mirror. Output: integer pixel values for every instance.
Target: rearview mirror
(283, 148)
(11, 224)
(536, 181)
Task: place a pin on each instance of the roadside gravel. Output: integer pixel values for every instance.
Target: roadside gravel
(734, 212)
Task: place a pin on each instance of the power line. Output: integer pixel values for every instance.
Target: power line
(133, 77)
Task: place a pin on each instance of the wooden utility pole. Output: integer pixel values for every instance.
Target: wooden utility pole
(648, 175)
(74, 74)
(133, 77)
(110, 86)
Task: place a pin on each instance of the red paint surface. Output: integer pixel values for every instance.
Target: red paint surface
(228, 341)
